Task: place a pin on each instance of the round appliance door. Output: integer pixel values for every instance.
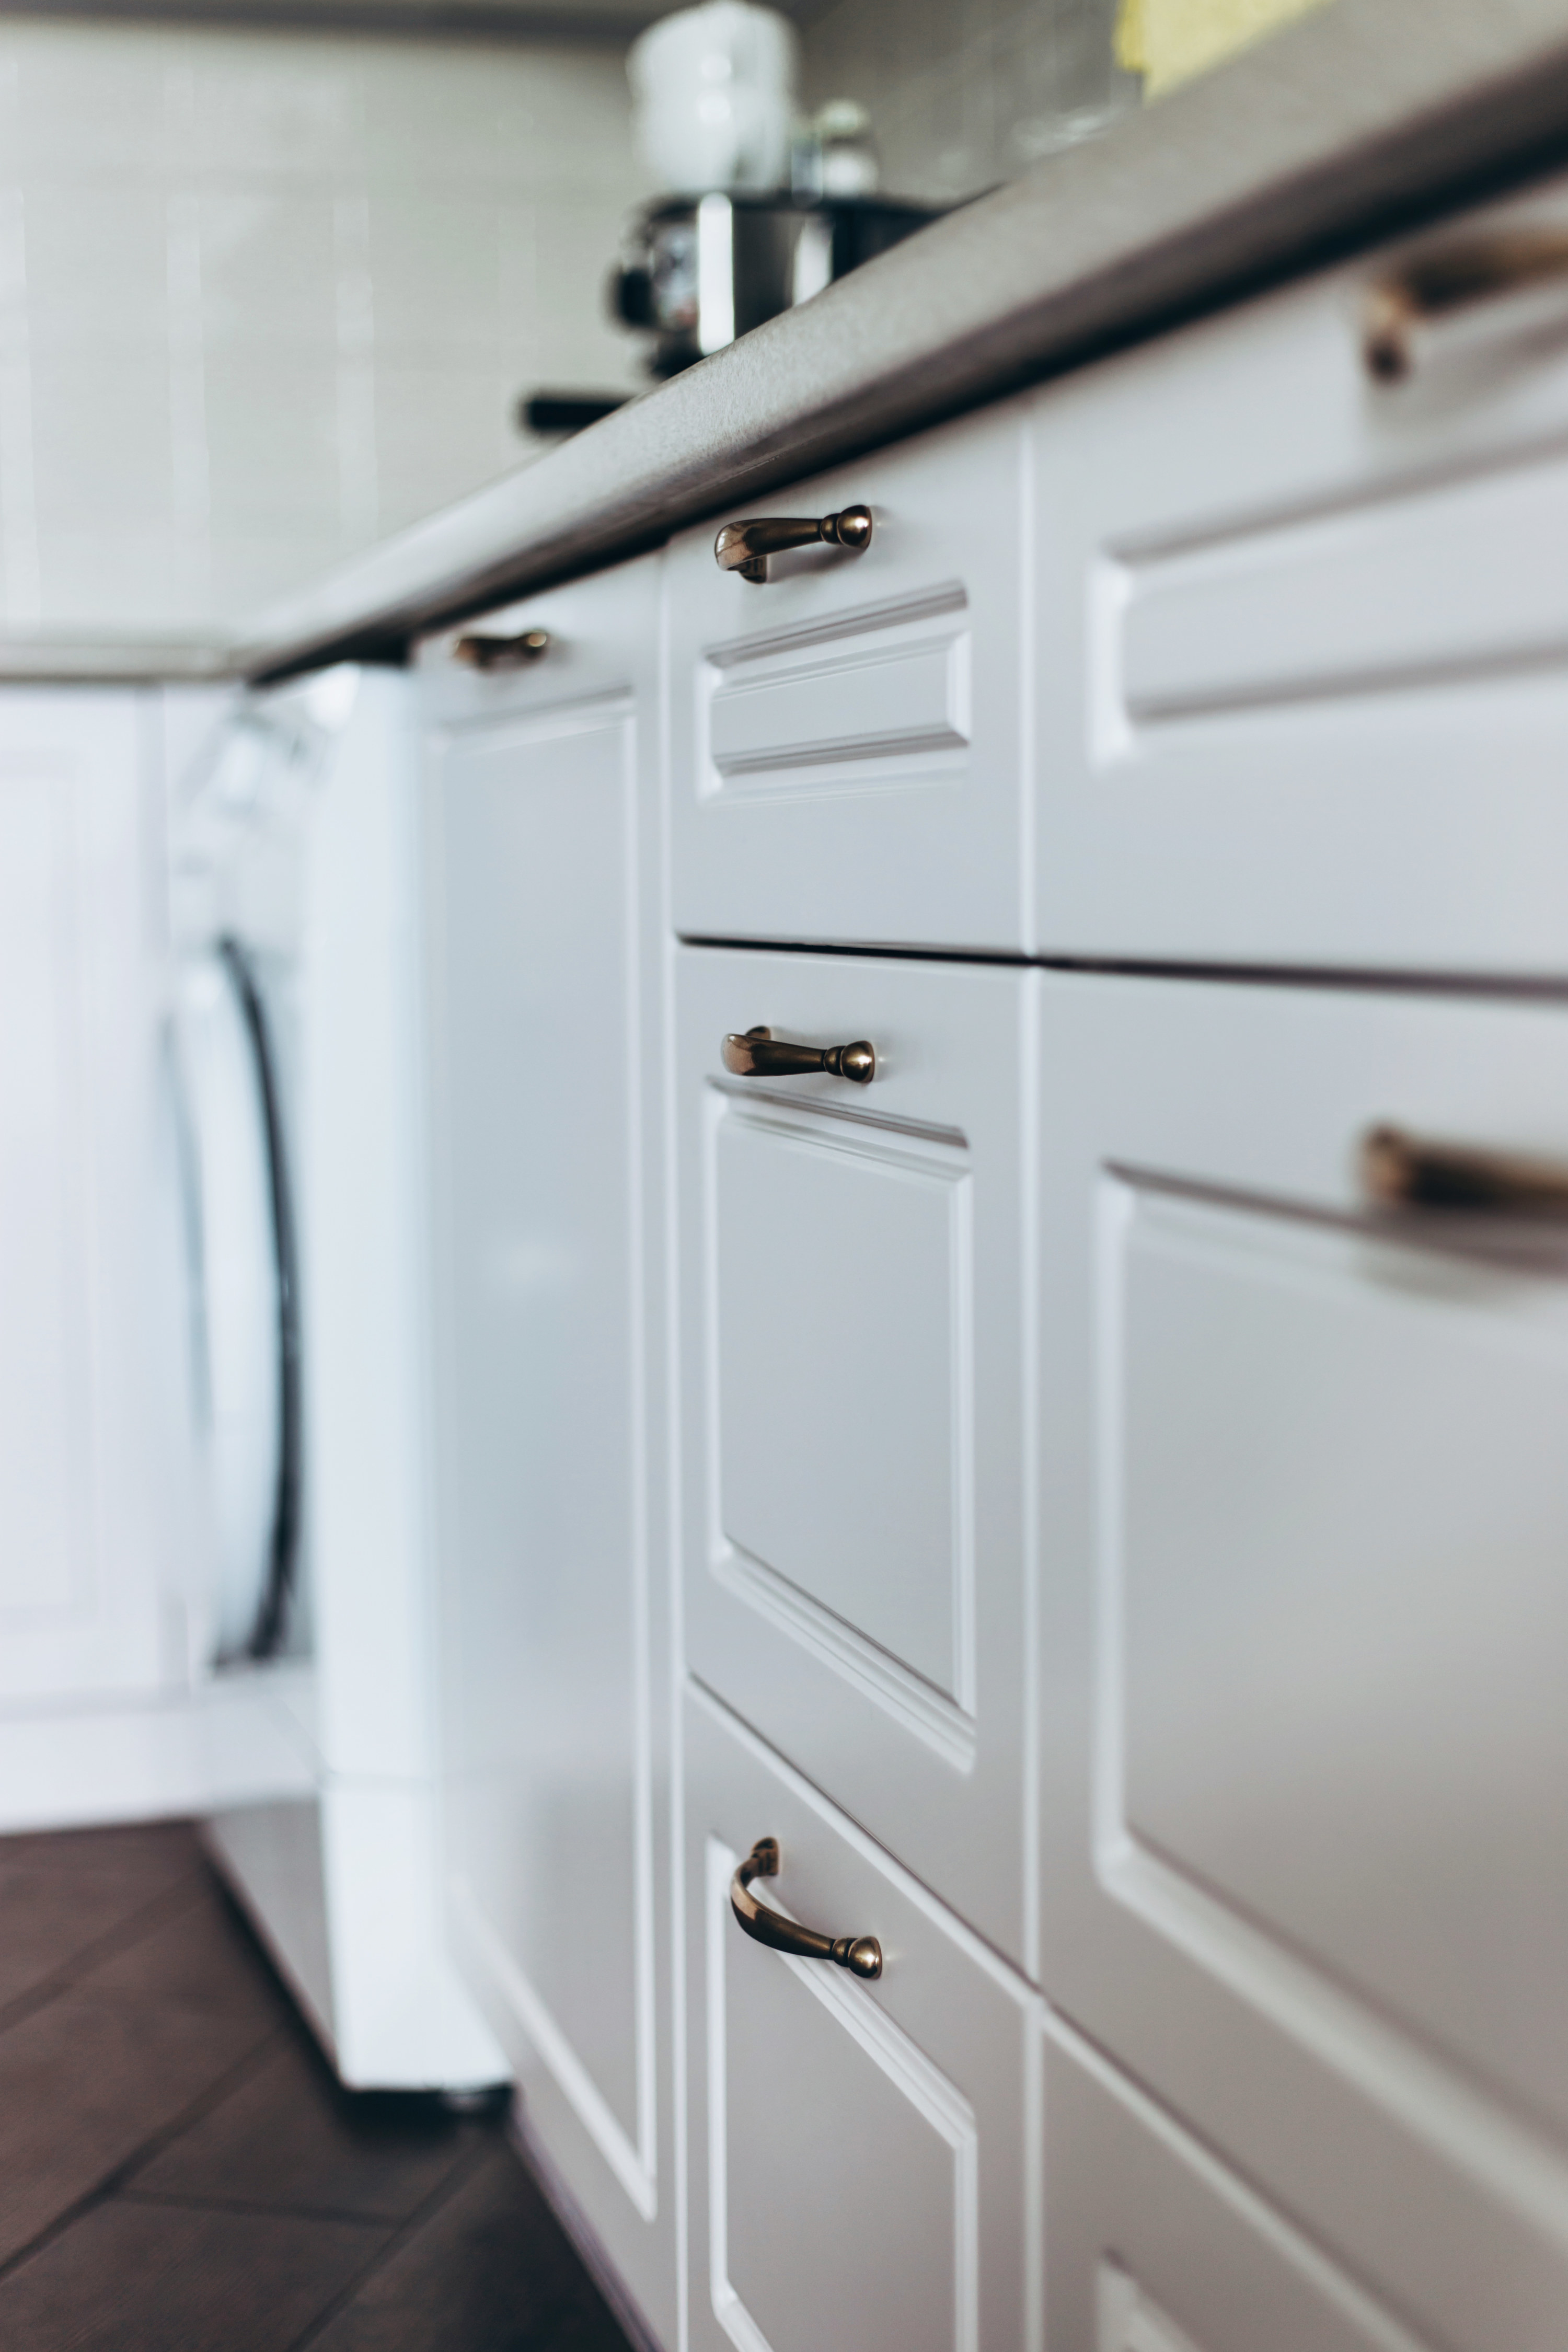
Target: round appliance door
(248, 1368)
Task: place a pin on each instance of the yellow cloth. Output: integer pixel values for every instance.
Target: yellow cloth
(1169, 41)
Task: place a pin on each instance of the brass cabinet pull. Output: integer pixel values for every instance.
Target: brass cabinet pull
(1426, 291)
(1405, 1171)
(861, 1954)
(760, 1055)
(745, 547)
(488, 654)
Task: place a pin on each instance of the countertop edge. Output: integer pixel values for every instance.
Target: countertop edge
(1356, 121)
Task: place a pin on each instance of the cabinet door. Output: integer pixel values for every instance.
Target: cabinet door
(1304, 1518)
(854, 1282)
(90, 1307)
(862, 2153)
(544, 1028)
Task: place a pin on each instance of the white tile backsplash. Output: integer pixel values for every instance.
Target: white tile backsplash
(435, 267)
(82, 570)
(265, 297)
(272, 438)
(269, 267)
(101, 448)
(279, 107)
(463, 408)
(105, 242)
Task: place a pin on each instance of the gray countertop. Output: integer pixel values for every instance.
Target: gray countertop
(64, 657)
(1366, 115)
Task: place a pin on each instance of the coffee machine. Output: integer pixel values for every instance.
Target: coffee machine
(768, 212)
(700, 270)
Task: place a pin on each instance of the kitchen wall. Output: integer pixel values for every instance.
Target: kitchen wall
(265, 297)
(964, 93)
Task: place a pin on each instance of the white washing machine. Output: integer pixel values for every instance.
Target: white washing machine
(295, 897)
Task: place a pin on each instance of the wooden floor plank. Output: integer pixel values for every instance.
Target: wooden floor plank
(491, 2270)
(179, 2167)
(147, 2278)
(288, 2138)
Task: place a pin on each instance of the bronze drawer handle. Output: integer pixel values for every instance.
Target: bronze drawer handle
(760, 1055)
(1426, 290)
(487, 654)
(861, 1954)
(745, 547)
(1405, 1171)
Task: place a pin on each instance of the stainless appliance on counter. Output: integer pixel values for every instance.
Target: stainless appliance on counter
(696, 271)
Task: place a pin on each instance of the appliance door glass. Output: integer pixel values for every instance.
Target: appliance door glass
(247, 1372)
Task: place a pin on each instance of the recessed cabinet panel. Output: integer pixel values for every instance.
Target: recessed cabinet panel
(840, 1231)
(1305, 1510)
(854, 1280)
(1153, 2247)
(847, 736)
(1300, 636)
(534, 846)
(861, 2154)
(1345, 1498)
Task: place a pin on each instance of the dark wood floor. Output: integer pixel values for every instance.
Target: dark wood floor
(180, 2172)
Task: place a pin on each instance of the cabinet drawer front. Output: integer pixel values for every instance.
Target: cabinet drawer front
(599, 637)
(1305, 1513)
(861, 2156)
(1153, 2247)
(854, 1321)
(1303, 645)
(846, 739)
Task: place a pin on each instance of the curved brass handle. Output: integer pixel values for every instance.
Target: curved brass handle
(1426, 290)
(482, 653)
(861, 1954)
(745, 547)
(760, 1055)
(1404, 1171)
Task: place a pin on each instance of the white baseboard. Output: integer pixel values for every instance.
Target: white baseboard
(239, 1740)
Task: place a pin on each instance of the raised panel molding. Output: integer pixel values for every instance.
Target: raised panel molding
(897, 703)
(933, 1700)
(1128, 2320)
(634, 2163)
(1400, 585)
(781, 711)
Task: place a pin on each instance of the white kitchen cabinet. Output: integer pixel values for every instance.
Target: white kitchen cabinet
(545, 1027)
(1304, 1513)
(1119, 1563)
(1151, 2246)
(93, 1585)
(1300, 634)
(864, 2159)
(847, 738)
(856, 1282)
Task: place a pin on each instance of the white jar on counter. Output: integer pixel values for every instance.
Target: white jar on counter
(714, 95)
